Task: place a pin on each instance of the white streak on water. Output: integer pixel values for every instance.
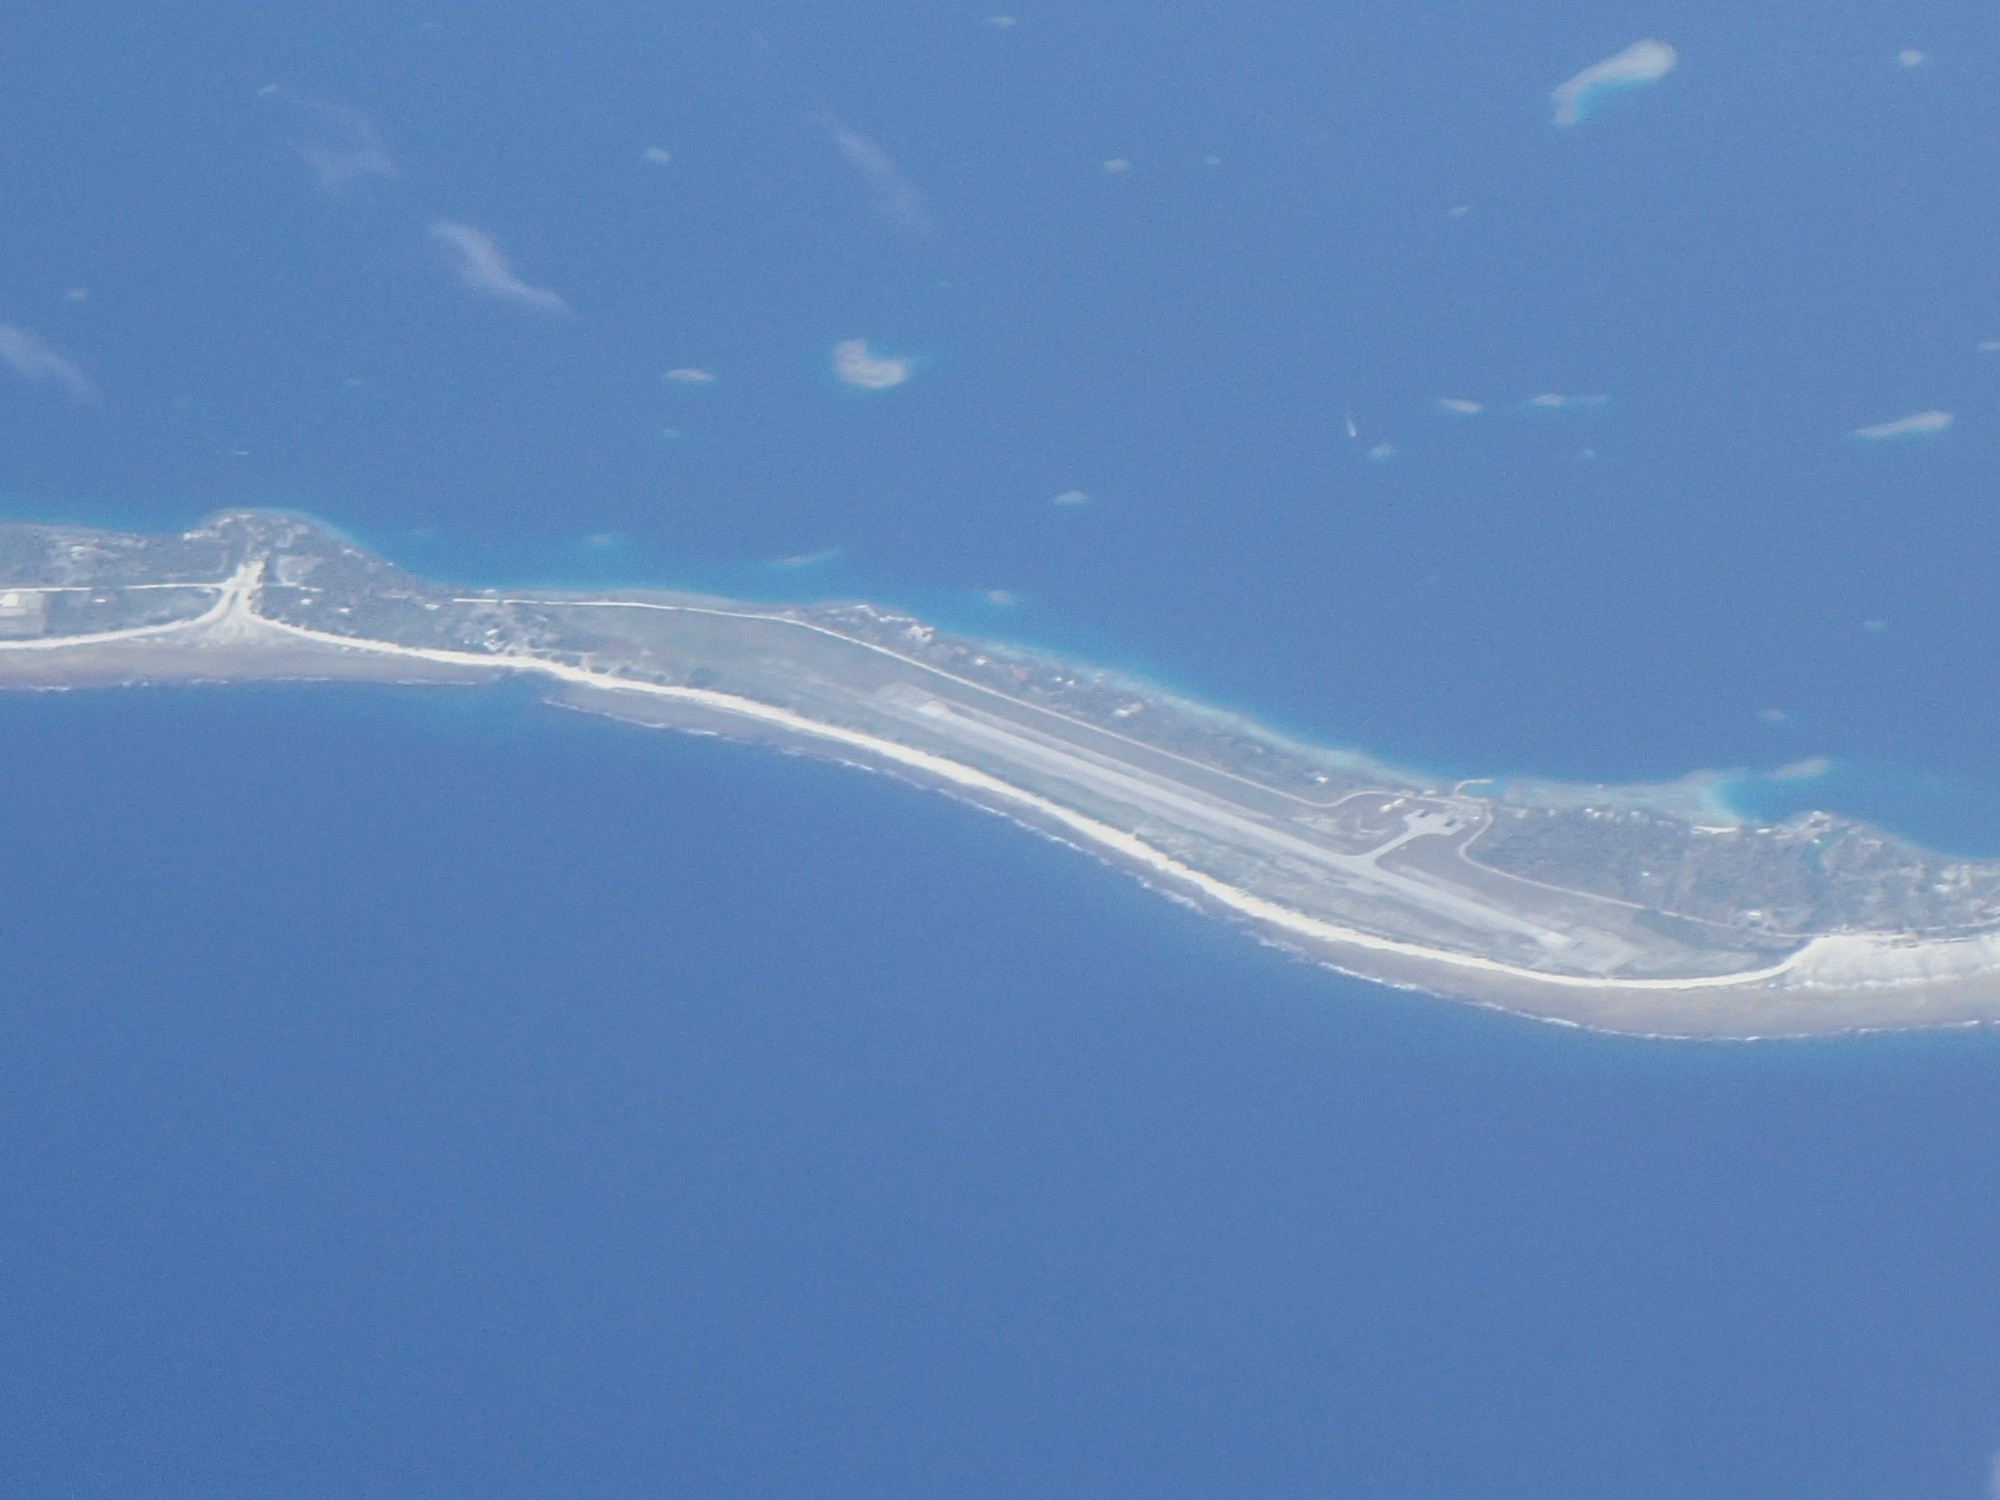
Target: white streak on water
(1642, 62)
(865, 371)
(28, 357)
(348, 149)
(344, 147)
(475, 256)
(1917, 424)
(896, 197)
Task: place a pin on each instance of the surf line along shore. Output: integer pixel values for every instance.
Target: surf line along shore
(233, 622)
(1843, 980)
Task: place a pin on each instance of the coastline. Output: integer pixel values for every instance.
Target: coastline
(1829, 982)
(1669, 1009)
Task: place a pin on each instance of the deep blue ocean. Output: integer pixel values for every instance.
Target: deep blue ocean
(408, 1094)
(437, 1094)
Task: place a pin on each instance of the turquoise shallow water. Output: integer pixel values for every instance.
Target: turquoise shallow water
(1956, 816)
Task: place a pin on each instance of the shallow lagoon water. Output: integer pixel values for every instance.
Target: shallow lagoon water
(1958, 817)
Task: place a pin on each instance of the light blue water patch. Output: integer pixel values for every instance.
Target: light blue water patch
(1641, 63)
(1587, 102)
(1948, 814)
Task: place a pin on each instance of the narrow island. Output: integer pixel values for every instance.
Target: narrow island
(1647, 910)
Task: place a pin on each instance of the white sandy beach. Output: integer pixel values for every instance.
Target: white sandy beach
(1849, 963)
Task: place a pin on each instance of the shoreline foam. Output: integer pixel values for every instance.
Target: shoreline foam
(1829, 982)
